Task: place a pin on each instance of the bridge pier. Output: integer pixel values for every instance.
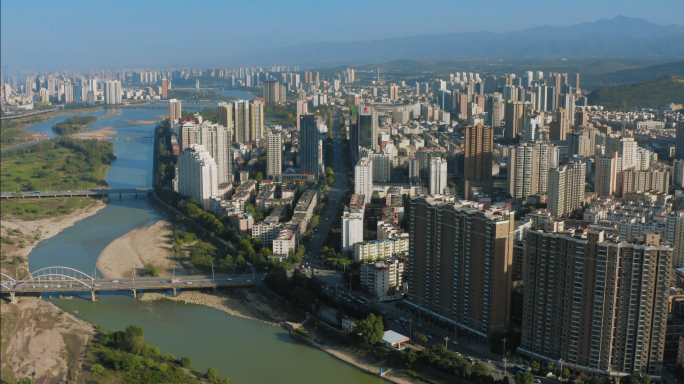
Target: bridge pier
(136, 195)
(13, 298)
(174, 292)
(93, 295)
(120, 198)
(135, 293)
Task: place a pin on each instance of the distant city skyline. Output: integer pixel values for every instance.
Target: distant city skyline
(58, 36)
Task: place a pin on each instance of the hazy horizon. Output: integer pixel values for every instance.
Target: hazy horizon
(79, 35)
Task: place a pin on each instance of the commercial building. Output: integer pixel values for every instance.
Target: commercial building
(309, 145)
(197, 175)
(566, 188)
(460, 263)
(352, 227)
(363, 178)
(274, 150)
(595, 302)
(368, 132)
(380, 249)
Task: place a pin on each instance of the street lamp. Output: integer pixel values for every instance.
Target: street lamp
(446, 342)
(504, 346)
(504, 361)
(561, 367)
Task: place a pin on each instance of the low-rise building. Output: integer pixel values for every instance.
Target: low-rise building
(380, 249)
(383, 278)
(242, 222)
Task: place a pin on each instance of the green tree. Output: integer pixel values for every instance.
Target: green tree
(97, 369)
(186, 362)
(638, 377)
(566, 373)
(152, 270)
(524, 378)
(371, 329)
(134, 339)
(212, 375)
(419, 337)
(535, 366)
(259, 176)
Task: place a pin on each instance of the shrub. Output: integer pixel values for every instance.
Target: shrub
(97, 369)
(186, 362)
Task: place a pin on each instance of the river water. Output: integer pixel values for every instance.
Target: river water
(248, 351)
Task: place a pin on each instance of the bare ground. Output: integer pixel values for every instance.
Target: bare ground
(40, 341)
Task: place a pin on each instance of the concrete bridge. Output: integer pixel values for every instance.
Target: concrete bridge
(65, 279)
(83, 192)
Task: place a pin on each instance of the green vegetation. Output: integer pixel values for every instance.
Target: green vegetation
(35, 209)
(371, 329)
(440, 358)
(73, 125)
(524, 378)
(652, 94)
(125, 357)
(58, 164)
(151, 270)
(281, 114)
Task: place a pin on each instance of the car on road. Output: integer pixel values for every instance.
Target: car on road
(486, 360)
(537, 381)
(454, 342)
(420, 324)
(97, 285)
(229, 279)
(189, 283)
(123, 282)
(383, 312)
(396, 321)
(429, 336)
(115, 281)
(502, 366)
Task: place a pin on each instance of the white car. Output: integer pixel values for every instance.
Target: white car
(115, 281)
(189, 283)
(97, 285)
(229, 279)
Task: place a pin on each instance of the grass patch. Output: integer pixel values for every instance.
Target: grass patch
(36, 209)
(58, 164)
(651, 94)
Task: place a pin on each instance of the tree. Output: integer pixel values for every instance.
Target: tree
(566, 373)
(134, 339)
(638, 377)
(212, 375)
(186, 362)
(535, 366)
(419, 337)
(524, 378)
(97, 368)
(259, 176)
(152, 270)
(370, 329)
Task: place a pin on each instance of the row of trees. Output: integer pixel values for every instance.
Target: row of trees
(73, 125)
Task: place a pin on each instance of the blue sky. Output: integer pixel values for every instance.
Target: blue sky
(75, 34)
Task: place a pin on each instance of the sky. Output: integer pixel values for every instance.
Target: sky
(42, 35)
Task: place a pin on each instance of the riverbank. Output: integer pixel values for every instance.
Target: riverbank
(27, 233)
(151, 244)
(142, 121)
(40, 341)
(240, 302)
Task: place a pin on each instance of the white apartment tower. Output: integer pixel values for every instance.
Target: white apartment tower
(197, 175)
(112, 92)
(438, 175)
(274, 145)
(352, 228)
(216, 139)
(363, 178)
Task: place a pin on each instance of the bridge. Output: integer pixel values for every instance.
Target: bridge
(65, 279)
(82, 192)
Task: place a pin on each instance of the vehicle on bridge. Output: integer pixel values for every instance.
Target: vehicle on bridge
(175, 281)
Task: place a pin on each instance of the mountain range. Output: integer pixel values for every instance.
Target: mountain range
(620, 37)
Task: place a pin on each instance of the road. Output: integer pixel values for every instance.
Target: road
(335, 195)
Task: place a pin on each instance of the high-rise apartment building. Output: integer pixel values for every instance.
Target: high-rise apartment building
(241, 121)
(597, 303)
(528, 169)
(479, 145)
(679, 151)
(197, 175)
(438, 175)
(368, 132)
(675, 235)
(256, 119)
(394, 92)
(363, 178)
(165, 88)
(225, 115)
(274, 150)
(581, 118)
(112, 92)
(175, 111)
(460, 263)
(566, 188)
(302, 108)
(534, 122)
(607, 169)
(513, 116)
(626, 148)
(352, 228)
(308, 145)
(271, 92)
(560, 127)
(217, 141)
(678, 169)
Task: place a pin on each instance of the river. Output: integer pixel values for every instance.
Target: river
(248, 351)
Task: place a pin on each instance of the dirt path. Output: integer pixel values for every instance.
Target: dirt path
(39, 337)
